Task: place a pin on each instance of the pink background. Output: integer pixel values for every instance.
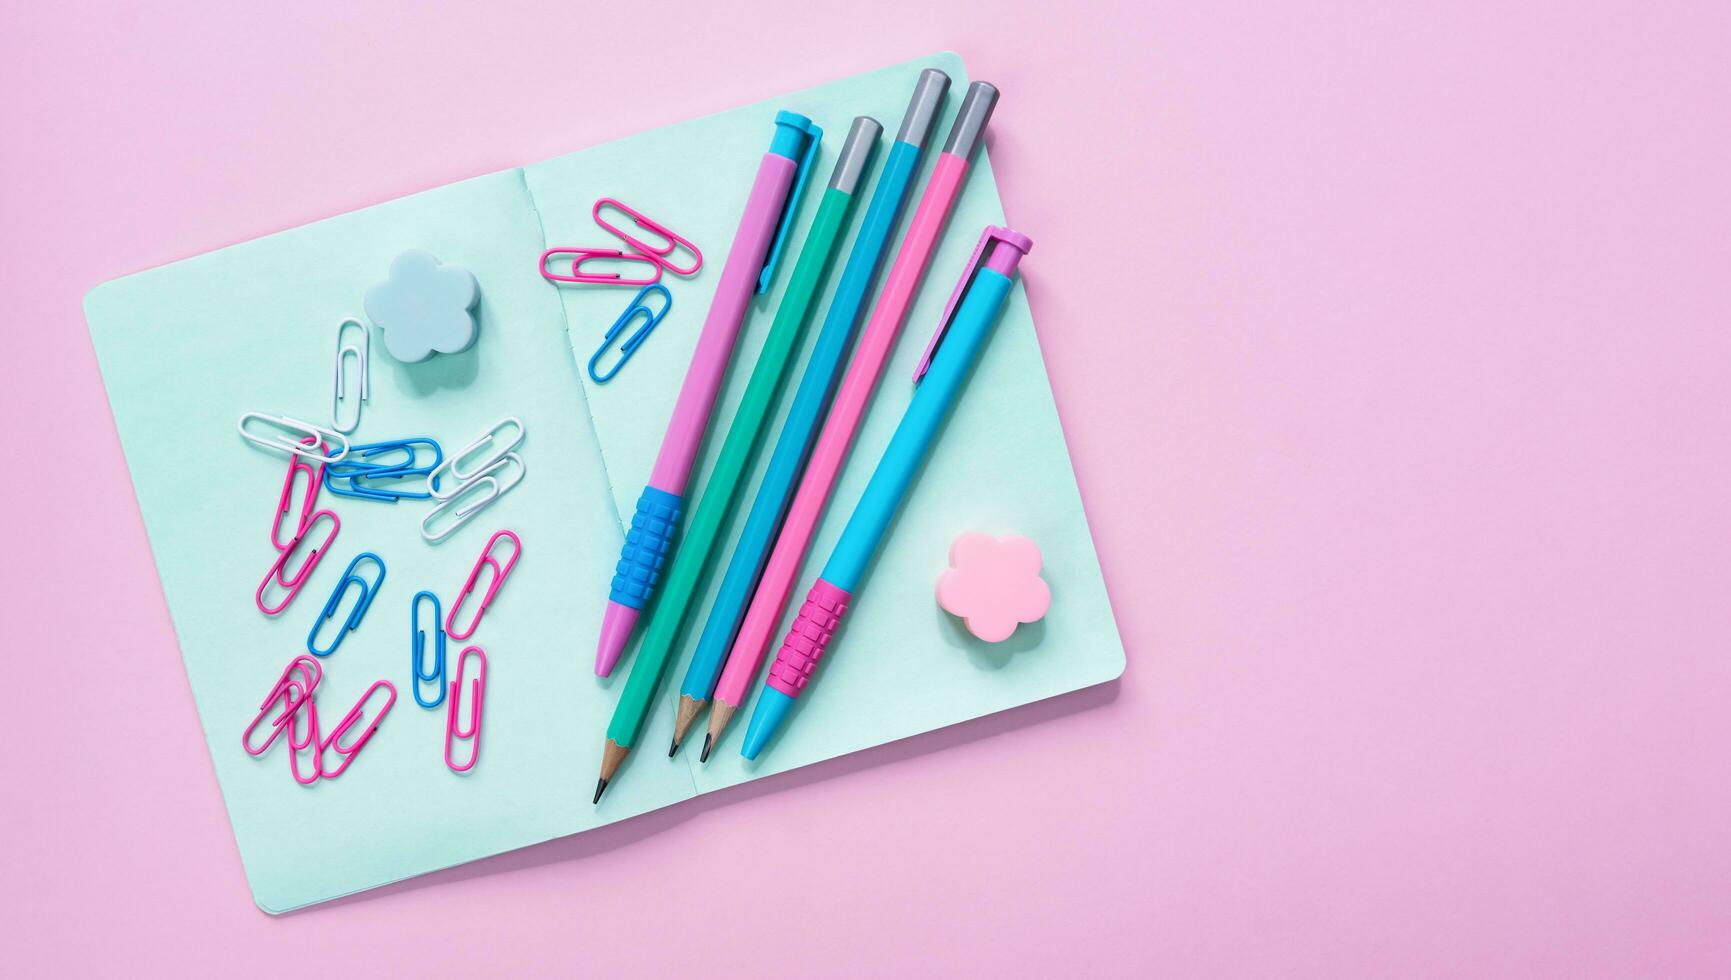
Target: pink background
(1391, 343)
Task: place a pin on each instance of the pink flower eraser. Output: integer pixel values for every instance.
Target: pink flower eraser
(994, 584)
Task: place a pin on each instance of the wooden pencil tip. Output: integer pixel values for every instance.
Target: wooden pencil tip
(720, 713)
(673, 748)
(708, 740)
(689, 708)
(612, 754)
(600, 787)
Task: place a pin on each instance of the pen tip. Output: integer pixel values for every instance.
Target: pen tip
(708, 741)
(673, 748)
(600, 787)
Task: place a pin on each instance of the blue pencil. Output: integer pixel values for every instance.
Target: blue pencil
(811, 400)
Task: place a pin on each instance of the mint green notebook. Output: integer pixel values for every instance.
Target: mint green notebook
(187, 348)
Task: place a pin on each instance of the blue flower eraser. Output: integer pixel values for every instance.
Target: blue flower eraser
(424, 307)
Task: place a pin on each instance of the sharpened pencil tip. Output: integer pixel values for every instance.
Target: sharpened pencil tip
(708, 741)
(600, 787)
(673, 749)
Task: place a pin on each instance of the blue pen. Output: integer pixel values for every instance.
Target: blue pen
(812, 399)
(978, 300)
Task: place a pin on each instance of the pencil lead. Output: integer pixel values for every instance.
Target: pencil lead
(673, 749)
(600, 787)
(708, 740)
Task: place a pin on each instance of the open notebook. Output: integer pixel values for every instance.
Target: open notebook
(187, 348)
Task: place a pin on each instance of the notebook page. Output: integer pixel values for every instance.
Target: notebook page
(185, 350)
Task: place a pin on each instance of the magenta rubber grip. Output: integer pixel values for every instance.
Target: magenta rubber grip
(818, 617)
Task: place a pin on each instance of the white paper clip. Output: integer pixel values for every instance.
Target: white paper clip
(488, 485)
(497, 449)
(290, 435)
(340, 384)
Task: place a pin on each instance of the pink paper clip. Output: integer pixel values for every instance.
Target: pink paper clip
(348, 753)
(455, 732)
(292, 692)
(291, 701)
(659, 254)
(297, 745)
(499, 572)
(309, 503)
(583, 255)
(278, 568)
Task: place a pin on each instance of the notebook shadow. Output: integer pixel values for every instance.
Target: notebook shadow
(601, 840)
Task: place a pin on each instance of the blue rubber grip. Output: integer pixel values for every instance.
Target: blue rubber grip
(646, 547)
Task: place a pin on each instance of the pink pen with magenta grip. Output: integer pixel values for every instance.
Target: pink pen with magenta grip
(851, 401)
(750, 265)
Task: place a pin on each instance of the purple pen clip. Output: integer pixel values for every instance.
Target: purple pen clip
(1002, 261)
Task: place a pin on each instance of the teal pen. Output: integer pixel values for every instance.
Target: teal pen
(811, 399)
(976, 304)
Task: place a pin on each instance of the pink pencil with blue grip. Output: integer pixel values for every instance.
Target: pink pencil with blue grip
(757, 246)
(976, 304)
(851, 401)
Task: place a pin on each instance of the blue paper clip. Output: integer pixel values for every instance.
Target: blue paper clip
(391, 494)
(361, 458)
(418, 646)
(650, 319)
(368, 591)
(360, 465)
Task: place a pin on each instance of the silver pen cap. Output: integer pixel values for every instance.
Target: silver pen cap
(925, 107)
(970, 126)
(856, 152)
